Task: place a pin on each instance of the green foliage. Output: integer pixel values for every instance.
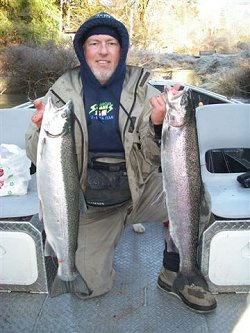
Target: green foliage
(28, 21)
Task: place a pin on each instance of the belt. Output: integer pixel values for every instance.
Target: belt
(107, 166)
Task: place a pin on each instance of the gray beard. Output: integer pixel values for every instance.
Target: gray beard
(102, 77)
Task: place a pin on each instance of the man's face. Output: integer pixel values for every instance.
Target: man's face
(102, 54)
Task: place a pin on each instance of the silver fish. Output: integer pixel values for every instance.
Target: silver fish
(58, 191)
(182, 183)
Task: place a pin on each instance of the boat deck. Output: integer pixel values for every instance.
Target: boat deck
(134, 305)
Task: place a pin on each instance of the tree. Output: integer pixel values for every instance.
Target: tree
(29, 21)
(74, 13)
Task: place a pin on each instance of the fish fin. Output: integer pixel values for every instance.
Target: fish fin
(78, 285)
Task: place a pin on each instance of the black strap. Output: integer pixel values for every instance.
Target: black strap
(57, 96)
(107, 166)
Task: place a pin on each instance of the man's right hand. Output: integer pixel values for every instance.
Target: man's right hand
(38, 115)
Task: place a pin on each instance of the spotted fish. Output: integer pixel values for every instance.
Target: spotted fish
(183, 187)
(58, 191)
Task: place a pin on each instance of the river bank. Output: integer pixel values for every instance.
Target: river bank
(11, 100)
(225, 74)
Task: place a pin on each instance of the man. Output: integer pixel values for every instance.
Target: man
(117, 133)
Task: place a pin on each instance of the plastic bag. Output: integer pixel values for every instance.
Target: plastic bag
(14, 170)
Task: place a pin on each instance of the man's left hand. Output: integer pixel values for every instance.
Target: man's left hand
(158, 109)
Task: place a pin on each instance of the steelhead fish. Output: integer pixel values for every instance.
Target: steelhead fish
(182, 184)
(58, 191)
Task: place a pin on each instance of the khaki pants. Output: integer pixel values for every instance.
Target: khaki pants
(101, 228)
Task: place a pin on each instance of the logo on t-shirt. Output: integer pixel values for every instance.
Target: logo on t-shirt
(101, 111)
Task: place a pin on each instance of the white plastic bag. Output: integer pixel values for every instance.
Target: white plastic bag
(14, 170)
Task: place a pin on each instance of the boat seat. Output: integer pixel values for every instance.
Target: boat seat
(13, 124)
(224, 126)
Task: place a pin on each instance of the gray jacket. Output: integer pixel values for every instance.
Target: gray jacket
(142, 152)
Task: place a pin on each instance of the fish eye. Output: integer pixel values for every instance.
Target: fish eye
(64, 115)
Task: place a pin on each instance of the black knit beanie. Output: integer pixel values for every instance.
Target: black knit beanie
(102, 30)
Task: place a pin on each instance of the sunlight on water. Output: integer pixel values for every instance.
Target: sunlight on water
(10, 100)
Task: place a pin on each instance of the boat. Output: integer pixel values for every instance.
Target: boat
(135, 304)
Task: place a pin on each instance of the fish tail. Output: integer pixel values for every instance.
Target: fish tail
(78, 285)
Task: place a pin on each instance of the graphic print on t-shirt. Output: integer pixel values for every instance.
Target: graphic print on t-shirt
(101, 111)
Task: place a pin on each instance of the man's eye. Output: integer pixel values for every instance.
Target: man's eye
(112, 43)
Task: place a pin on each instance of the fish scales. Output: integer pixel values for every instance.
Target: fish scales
(58, 191)
(182, 178)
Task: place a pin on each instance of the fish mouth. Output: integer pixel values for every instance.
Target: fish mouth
(50, 135)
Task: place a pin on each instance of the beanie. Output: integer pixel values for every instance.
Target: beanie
(102, 30)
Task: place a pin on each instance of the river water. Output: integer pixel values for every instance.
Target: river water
(10, 100)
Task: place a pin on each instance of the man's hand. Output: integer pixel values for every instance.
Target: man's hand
(158, 109)
(38, 115)
(159, 104)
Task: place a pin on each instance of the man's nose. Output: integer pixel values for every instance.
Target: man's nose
(103, 48)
